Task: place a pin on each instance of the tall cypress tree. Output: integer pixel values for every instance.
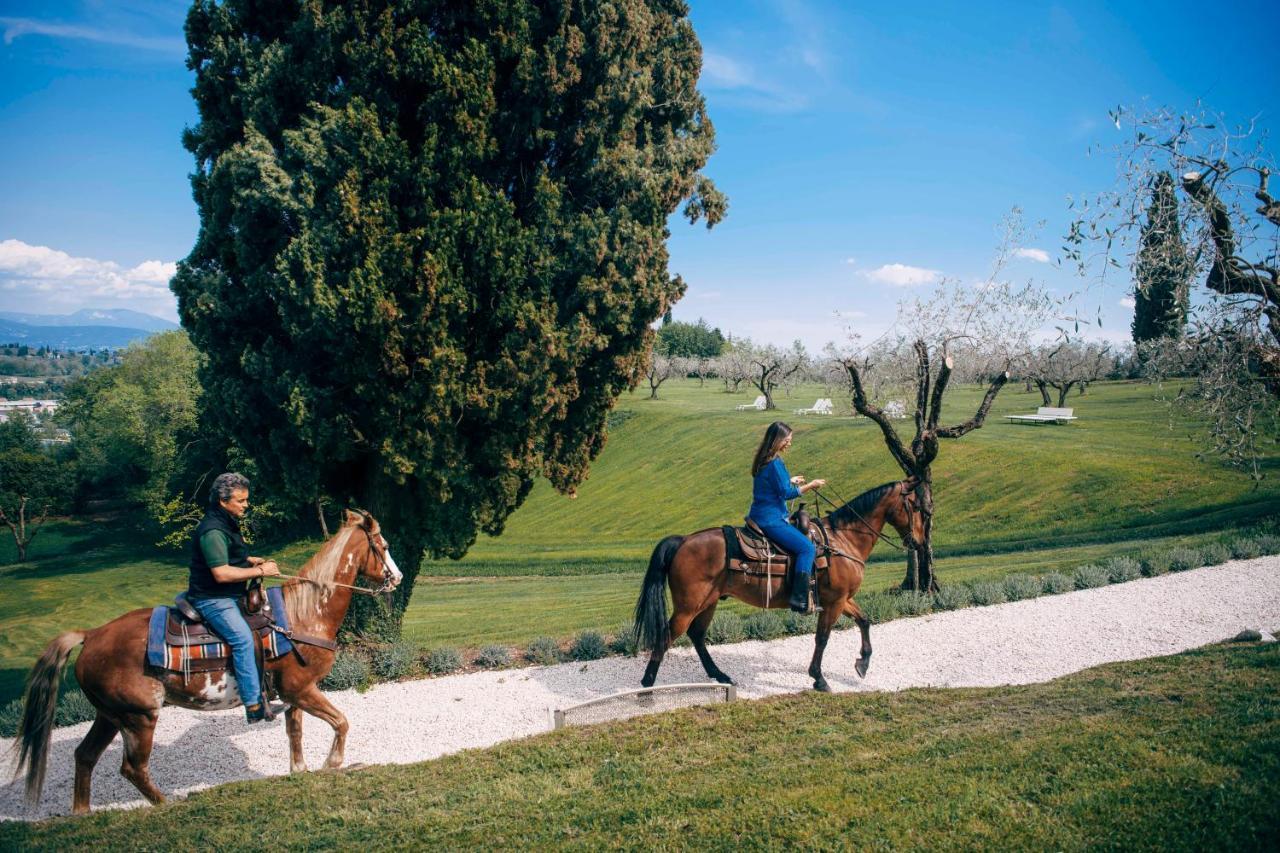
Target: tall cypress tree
(1163, 271)
(432, 241)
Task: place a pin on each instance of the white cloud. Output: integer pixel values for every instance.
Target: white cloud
(17, 27)
(1038, 255)
(850, 261)
(850, 315)
(1128, 302)
(901, 275)
(41, 279)
(725, 73)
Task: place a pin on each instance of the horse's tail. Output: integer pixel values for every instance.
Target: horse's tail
(651, 608)
(36, 728)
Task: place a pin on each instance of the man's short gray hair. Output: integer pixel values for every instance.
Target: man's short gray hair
(224, 485)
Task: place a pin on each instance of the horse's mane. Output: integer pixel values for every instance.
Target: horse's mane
(303, 599)
(859, 506)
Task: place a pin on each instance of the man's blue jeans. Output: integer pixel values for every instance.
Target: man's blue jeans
(224, 617)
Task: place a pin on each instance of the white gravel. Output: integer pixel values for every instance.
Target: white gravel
(1018, 643)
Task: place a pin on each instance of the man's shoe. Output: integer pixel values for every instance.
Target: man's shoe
(799, 599)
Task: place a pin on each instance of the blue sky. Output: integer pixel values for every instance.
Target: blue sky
(867, 148)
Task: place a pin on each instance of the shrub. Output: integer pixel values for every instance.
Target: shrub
(1269, 543)
(1246, 548)
(444, 660)
(1020, 586)
(953, 596)
(543, 650)
(1214, 554)
(988, 592)
(349, 670)
(1181, 559)
(879, 606)
(799, 623)
(726, 628)
(1155, 563)
(10, 718)
(493, 657)
(624, 641)
(914, 603)
(1056, 583)
(393, 661)
(588, 645)
(1090, 575)
(73, 707)
(1121, 569)
(765, 625)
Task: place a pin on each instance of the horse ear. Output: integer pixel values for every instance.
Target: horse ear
(350, 516)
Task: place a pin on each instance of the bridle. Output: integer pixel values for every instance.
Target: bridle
(388, 576)
(908, 509)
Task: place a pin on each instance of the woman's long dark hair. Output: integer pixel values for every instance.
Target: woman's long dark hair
(770, 445)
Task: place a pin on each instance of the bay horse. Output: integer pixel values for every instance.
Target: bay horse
(696, 568)
(128, 693)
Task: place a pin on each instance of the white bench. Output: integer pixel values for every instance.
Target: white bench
(759, 404)
(822, 406)
(1044, 415)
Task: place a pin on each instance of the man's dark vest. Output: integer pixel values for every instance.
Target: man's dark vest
(202, 583)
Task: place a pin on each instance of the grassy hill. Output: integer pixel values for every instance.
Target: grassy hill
(1009, 498)
(1176, 753)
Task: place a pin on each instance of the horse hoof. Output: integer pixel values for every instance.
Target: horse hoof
(822, 687)
(861, 667)
(646, 682)
(723, 679)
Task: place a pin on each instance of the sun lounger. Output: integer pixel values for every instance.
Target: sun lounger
(758, 405)
(1044, 415)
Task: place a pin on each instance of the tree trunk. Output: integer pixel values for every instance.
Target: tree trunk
(324, 525)
(1044, 391)
(1062, 394)
(920, 575)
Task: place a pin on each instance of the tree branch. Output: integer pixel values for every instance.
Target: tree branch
(980, 416)
(939, 388)
(863, 407)
(1229, 274)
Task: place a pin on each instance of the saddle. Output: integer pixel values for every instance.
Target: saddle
(178, 640)
(750, 551)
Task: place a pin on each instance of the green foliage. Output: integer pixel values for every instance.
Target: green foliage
(10, 718)
(494, 657)
(914, 603)
(394, 660)
(349, 670)
(624, 640)
(1182, 559)
(1155, 561)
(1269, 543)
(1020, 586)
(988, 592)
(689, 340)
(588, 645)
(1090, 575)
(543, 650)
(444, 660)
(879, 606)
(951, 596)
(1163, 271)
(1121, 569)
(799, 623)
(73, 707)
(726, 627)
(433, 241)
(1214, 554)
(765, 625)
(1246, 548)
(1056, 583)
(33, 483)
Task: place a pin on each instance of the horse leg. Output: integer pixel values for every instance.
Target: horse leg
(137, 730)
(313, 701)
(853, 611)
(100, 735)
(698, 634)
(293, 725)
(678, 625)
(826, 619)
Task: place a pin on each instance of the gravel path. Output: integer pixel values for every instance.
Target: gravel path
(1018, 643)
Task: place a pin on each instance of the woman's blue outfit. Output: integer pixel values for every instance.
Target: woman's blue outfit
(769, 495)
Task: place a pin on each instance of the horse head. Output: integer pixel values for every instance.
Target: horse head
(904, 512)
(377, 563)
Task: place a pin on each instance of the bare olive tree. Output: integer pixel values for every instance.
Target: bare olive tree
(662, 368)
(733, 366)
(1066, 364)
(1230, 233)
(773, 366)
(992, 324)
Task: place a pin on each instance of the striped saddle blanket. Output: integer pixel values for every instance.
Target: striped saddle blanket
(177, 644)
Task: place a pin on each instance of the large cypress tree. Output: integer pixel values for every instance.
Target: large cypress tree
(1163, 272)
(432, 241)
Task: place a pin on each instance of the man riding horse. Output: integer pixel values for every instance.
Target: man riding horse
(220, 566)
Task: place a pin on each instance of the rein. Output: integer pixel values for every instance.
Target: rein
(857, 516)
(360, 589)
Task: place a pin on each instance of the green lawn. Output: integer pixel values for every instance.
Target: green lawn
(1010, 498)
(1175, 753)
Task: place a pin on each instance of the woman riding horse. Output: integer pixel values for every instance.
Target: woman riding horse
(772, 486)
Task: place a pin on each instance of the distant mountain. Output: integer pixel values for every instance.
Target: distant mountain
(70, 337)
(118, 317)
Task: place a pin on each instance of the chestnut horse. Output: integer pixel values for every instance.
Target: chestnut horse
(696, 568)
(113, 673)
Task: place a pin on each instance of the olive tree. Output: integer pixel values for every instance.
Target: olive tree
(432, 242)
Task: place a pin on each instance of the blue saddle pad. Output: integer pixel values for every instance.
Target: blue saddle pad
(161, 655)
